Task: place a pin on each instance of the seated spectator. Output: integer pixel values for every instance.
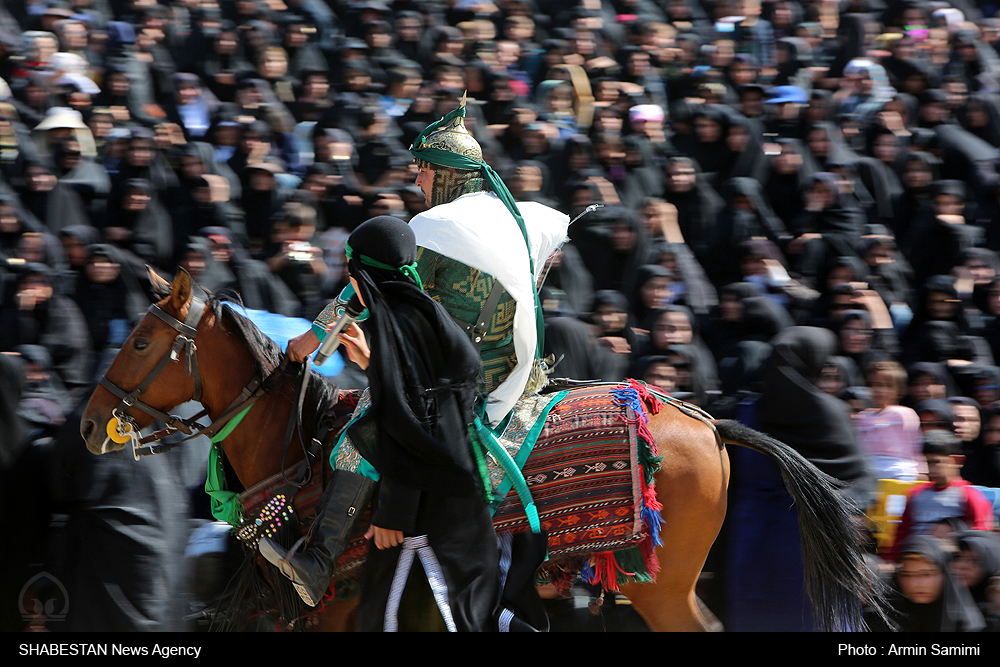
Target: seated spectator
(263, 197)
(935, 414)
(941, 233)
(967, 422)
(651, 292)
(313, 99)
(695, 377)
(193, 106)
(657, 372)
(110, 296)
(140, 224)
(926, 339)
(982, 463)
(609, 315)
(611, 242)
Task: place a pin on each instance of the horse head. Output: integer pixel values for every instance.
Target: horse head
(152, 372)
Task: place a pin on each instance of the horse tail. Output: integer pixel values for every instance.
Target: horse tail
(838, 577)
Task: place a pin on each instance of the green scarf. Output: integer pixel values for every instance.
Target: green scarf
(225, 504)
(456, 161)
(406, 269)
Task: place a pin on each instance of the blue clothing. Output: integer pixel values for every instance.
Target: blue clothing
(764, 574)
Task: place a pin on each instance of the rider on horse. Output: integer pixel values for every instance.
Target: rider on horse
(480, 256)
(423, 380)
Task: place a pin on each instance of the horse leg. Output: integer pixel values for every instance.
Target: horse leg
(691, 485)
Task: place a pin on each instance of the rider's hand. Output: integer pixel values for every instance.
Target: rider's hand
(301, 346)
(384, 538)
(356, 346)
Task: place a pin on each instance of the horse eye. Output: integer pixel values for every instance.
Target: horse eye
(140, 344)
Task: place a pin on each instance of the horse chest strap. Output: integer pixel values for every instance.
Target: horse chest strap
(233, 423)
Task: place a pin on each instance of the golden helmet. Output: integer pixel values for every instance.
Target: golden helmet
(454, 138)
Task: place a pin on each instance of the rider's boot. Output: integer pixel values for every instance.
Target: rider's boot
(343, 502)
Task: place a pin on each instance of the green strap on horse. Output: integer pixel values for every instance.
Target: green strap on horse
(488, 439)
(225, 504)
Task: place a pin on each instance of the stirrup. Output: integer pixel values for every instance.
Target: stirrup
(286, 569)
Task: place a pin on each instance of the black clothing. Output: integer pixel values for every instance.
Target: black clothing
(423, 379)
(985, 547)
(57, 325)
(953, 611)
(792, 409)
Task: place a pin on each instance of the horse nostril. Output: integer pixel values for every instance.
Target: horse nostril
(87, 429)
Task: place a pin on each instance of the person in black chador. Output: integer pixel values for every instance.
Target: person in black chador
(423, 376)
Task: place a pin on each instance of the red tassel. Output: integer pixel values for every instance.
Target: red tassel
(649, 557)
(652, 403)
(606, 570)
(649, 498)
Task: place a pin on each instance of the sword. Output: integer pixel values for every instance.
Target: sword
(548, 266)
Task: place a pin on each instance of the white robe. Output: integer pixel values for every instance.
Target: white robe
(477, 230)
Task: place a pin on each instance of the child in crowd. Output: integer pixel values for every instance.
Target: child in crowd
(890, 432)
(944, 496)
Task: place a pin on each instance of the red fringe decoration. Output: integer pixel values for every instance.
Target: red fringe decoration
(647, 547)
(653, 406)
(605, 567)
(648, 550)
(606, 570)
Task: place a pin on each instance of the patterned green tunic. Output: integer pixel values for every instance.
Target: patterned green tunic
(462, 290)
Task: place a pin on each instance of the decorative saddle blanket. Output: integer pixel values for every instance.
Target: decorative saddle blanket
(589, 473)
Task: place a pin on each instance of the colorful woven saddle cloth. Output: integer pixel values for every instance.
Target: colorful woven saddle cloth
(589, 472)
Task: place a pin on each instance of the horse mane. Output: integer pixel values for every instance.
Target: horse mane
(265, 352)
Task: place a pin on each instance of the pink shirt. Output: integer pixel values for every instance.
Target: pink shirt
(894, 431)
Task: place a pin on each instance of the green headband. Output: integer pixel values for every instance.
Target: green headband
(445, 158)
(406, 269)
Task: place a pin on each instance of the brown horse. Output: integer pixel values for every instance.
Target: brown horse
(691, 483)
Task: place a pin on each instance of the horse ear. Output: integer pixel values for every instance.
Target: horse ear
(181, 291)
(160, 286)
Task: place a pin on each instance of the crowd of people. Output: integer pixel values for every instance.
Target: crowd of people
(799, 222)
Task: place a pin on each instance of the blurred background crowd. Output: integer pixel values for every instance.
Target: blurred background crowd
(800, 229)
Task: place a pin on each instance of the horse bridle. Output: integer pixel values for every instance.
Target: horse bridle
(184, 343)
